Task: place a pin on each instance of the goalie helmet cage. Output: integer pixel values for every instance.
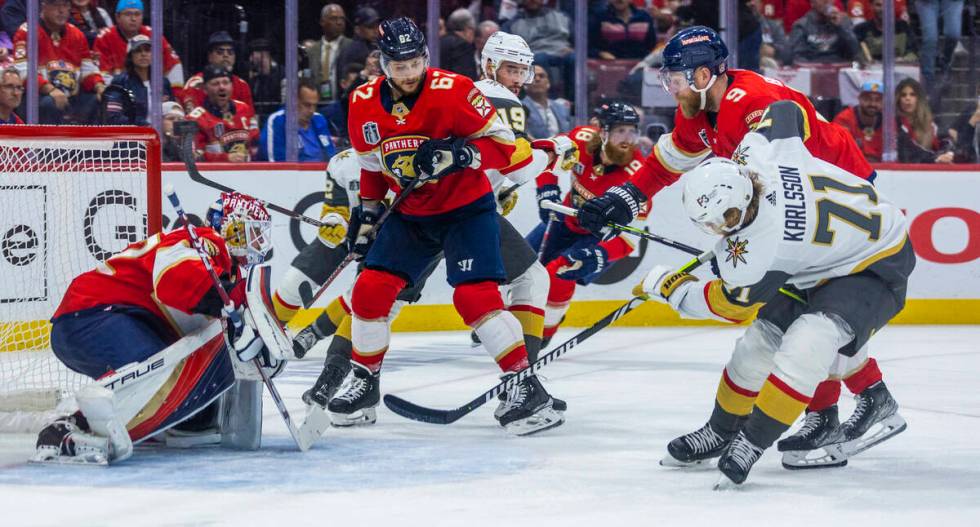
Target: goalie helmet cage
(70, 197)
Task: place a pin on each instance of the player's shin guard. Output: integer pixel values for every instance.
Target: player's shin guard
(560, 294)
(482, 308)
(374, 293)
(289, 296)
(98, 405)
(528, 297)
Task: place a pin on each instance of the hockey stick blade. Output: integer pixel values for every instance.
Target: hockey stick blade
(415, 412)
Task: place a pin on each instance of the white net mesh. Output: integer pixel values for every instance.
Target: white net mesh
(66, 204)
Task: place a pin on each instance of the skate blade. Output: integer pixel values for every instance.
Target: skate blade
(363, 417)
(724, 483)
(544, 419)
(879, 432)
(670, 461)
(828, 456)
(84, 460)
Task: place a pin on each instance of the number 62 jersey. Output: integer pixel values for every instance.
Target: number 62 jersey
(815, 222)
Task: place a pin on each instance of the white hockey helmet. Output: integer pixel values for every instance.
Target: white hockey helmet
(503, 46)
(711, 189)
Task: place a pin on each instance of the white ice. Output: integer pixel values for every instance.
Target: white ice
(629, 392)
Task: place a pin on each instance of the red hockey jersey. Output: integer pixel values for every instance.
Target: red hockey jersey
(193, 94)
(747, 97)
(218, 136)
(385, 134)
(590, 178)
(162, 274)
(68, 64)
(110, 51)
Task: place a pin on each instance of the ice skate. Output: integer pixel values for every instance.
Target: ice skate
(736, 462)
(326, 385)
(357, 405)
(815, 444)
(69, 441)
(304, 341)
(695, 448)
(528, 409)
(874, 420)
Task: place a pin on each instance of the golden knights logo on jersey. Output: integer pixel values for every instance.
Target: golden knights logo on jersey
(397, 154)
(737, 249)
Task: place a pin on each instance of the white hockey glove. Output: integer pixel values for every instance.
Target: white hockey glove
(666, 284)
(248, 345)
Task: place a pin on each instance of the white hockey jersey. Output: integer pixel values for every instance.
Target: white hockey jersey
(815, 222)
(343, 183)
(512, 113)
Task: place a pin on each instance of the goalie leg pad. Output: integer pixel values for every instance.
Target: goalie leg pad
(241, 416)
(98, 405)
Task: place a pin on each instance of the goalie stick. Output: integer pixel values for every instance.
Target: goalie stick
(234, 318)
(410, 410)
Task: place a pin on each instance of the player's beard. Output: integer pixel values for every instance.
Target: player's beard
(689, 102)
(619, 155)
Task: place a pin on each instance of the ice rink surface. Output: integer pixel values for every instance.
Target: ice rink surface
(629, 392)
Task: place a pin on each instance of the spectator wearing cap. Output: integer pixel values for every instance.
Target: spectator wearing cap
(863, 121)
(457, 48)
(89, 18)
(824, 34)
(136, 80)
(227, 128)
(170, 149)
(325, 53)
(11, 94)
(622, 31)
(112, 45)
(315, 143)
(545, 117)
(221, 53)
(365, 40)
(265, 75)
(70, 83)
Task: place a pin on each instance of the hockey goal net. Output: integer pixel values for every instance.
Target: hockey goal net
(70, 197)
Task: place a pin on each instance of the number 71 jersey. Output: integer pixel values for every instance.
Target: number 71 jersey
(815, 222)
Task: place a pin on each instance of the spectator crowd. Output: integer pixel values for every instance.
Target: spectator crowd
(94, 61)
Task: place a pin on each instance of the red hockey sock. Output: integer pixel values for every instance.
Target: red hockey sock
(825, 396)
(865, 376)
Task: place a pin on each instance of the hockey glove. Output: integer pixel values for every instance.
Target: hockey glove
(437, 158)
(507, 202)
(249, 344)
(334, 229)
(564, 150)
(360, 234)
(665, 284)
(583, 262)
(547, 193)
(618, 205)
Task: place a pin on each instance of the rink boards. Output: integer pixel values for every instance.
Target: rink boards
(940, 202)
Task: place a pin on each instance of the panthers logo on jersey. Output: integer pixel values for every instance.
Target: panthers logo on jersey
(397, 154)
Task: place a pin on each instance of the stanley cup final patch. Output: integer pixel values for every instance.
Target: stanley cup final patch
(371, 134)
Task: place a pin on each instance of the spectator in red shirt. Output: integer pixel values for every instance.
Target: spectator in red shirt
(70, 82)
(112, 45)
(918, 136)
(227, 129)
(622, 31)
(864, 120)
(11, 93)
(221, 53)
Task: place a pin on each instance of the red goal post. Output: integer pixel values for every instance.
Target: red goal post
(70, 197)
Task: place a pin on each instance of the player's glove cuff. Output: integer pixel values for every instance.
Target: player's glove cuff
(664, 284)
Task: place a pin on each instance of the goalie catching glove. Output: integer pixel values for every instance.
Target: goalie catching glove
(665, 284)
(437, 158)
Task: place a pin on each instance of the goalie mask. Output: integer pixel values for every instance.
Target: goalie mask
(245, 225)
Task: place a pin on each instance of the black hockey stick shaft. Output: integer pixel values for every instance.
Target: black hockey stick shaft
(702, 257)
(233, 316)
(351, 256)
(415, 412)
(187, 153)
